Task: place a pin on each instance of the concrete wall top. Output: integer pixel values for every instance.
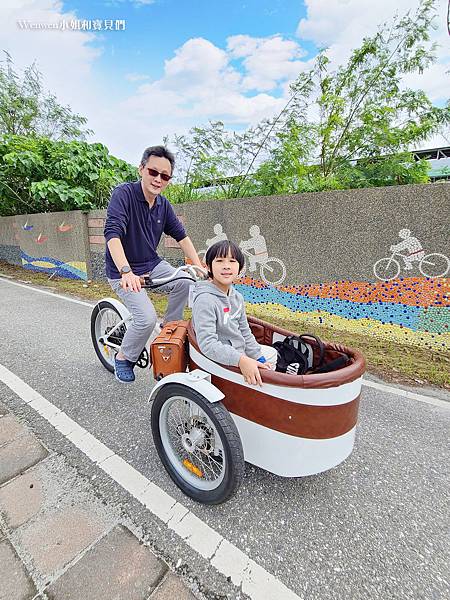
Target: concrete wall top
(329, 235)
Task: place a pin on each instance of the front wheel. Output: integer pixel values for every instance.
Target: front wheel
(104, 319)
(434, 265)
(198, 443)
(273, 271)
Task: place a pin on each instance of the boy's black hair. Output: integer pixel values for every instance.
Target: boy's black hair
(161, 152)
(221, 250)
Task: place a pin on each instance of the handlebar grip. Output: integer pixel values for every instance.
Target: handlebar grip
(145, 280)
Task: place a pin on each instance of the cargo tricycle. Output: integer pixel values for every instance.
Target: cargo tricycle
(207, 421)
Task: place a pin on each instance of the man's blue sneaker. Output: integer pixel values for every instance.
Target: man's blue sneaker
(123, 370)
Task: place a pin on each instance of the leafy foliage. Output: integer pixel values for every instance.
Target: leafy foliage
(223, 160)
(41, 175)
(26, 109)
(366, 120)
(348, 127)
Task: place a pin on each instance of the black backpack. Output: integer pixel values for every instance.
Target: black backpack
(296, 356)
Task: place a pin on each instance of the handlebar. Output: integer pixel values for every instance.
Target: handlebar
(196, 273)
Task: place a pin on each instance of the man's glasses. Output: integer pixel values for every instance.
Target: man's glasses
(155, 173)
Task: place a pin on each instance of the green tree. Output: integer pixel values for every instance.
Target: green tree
(223, 160)
(27, 109)
(365, 119)
(42, 175)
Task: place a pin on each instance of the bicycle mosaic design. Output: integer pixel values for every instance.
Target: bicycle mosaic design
(412, 310)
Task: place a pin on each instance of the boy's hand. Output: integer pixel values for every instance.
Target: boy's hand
(250, 370)
(131, 282)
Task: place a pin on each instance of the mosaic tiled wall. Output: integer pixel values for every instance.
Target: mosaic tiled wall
(373, 261)
(53, 266)
(409, 310)
(326, 255)
(53, 243)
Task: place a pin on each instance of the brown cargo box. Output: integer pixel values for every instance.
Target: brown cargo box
(169, 349)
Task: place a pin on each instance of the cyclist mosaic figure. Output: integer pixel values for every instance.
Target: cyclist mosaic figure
(219, 235)
(257, 242)
(413, 247)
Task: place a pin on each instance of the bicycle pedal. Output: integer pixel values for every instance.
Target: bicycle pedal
(144, 359)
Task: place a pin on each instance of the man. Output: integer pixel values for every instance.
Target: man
(137, 216)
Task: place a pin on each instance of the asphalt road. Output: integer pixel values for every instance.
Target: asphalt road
(374, 527)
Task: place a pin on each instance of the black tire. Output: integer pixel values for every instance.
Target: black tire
(232, 467)
(102, 305)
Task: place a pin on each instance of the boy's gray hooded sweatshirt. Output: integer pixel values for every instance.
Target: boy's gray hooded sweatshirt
(221, 326)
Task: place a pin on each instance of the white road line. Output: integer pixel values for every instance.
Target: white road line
(47, 293)
(256, 582)
(406, 394)
(366, 382)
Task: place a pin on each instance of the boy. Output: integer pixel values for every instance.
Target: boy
(220, 322)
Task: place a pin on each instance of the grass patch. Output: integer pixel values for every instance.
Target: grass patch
(393, 362)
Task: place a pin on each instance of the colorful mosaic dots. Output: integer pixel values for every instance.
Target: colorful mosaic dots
(45, 264)
(382, 310)
(408, 291)
(395, 333)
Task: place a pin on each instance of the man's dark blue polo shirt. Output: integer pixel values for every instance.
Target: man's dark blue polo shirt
(139, 227)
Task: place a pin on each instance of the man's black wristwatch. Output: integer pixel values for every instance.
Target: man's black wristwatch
(125, 269)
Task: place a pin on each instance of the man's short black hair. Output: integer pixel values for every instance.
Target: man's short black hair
(221, 250)
(160, 151)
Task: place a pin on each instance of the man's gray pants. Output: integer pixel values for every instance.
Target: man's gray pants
(143, 311)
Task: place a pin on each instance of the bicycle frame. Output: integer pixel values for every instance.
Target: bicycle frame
(248, 253)
(397, 254)
(105, 340)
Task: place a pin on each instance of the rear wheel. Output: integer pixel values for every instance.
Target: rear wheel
(104, 318)
(386, 269)
(198, 443)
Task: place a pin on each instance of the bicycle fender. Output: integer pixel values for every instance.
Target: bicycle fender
(123, 310)
(198, 380)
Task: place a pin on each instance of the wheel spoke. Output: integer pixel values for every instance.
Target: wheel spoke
(185, 418)
(106, 320)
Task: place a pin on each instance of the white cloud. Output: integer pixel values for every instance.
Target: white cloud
(133, 77)
(194, 64)
(346, 22)
(65, 58)
(267, 61)
(341, 25)
(200, 83)
(200, 80)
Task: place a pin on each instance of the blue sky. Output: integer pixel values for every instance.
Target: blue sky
(154, 30)
(162, 26)
(181, 63)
